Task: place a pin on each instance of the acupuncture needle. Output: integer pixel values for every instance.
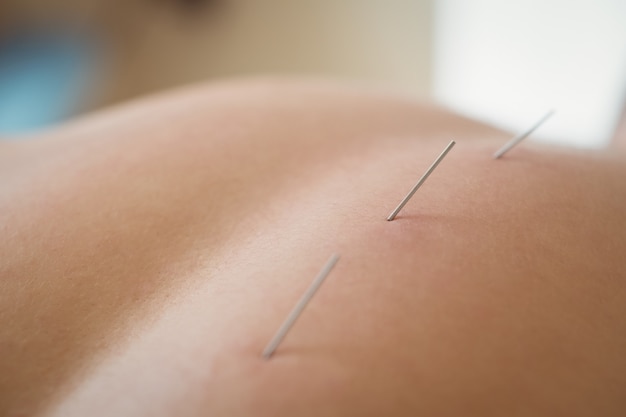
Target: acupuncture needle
(421, 181)
(299, 307)
(517, 139)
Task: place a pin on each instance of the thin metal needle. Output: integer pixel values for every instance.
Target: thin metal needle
(517, 139)
(297, 310)
(421, 181)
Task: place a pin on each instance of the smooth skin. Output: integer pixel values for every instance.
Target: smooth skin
(151, 251)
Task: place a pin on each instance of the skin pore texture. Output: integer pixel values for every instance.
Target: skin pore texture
(150, 252)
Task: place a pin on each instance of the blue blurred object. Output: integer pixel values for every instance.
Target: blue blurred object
(44, 76)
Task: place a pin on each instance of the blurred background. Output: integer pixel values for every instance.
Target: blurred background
(505, 62)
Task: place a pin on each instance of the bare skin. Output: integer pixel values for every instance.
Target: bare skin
(150, 252)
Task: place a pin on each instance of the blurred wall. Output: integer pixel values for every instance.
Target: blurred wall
(387, 41)
(156, 44)
(508, 62)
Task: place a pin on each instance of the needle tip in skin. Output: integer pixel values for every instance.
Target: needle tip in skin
(299, 307)
(517, 139)
(421, 181)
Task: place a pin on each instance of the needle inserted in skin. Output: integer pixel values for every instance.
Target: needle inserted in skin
(297, 310)
(517, 139)
(421, 181)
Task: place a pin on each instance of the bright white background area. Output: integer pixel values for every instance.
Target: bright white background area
(508, 62)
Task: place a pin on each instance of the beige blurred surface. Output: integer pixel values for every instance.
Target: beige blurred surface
(160, 44)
